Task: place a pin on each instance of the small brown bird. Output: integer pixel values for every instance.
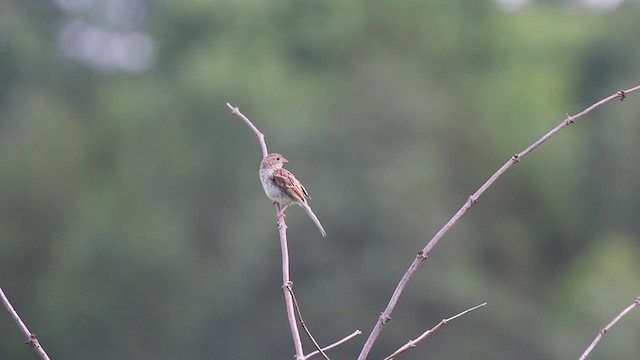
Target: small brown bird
(282, 187)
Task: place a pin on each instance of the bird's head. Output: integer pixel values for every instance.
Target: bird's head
(274, 160)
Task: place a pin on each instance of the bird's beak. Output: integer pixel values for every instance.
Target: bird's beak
(284, 161)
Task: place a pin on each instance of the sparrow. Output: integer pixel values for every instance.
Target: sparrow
(283, 188)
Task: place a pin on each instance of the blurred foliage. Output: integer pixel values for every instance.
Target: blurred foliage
(134, 225)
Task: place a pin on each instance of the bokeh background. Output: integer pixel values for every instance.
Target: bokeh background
(133, 224)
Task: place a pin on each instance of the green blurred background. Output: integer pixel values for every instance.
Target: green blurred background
(134, 226)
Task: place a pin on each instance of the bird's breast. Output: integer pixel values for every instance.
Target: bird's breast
(273, 190)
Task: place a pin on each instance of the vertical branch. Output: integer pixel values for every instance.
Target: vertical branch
(31, 337)
(286, 287)
(282, 229)
(385, 316)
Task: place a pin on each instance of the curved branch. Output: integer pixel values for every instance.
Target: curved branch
(263, 145)
(385, 316)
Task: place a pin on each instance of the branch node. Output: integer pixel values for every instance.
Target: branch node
(234, 109)
(515, 158)
(422, 255)
(472, 200)
(569, 119)
(622, 95)
(604, 330)
(288, 285)
(384, 318)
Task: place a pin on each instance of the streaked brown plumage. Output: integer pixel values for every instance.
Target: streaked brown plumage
(281, 186)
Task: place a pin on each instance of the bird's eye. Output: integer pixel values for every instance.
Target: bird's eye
(278, 158)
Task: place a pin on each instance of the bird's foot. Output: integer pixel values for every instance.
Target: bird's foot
(280, 214)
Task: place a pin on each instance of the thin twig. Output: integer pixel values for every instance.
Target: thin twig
(385, 316)
(419, 339)
(604, 330)
(343, 340)
(31, 337)
(304, 326)
(263, 145)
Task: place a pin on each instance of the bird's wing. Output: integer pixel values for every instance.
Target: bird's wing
(285, 179)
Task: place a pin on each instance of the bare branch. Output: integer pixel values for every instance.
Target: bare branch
(385, 316)
(284, 248)
(287, 285)
(604, 330)
(31, 337)
(339, 342)
(263, 145)
(415, 342)
(286, 281)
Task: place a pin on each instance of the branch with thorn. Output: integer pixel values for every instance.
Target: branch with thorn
(472, 200)
(32, 340)
(606, 329)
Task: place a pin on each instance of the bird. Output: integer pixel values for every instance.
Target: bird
(282, 187)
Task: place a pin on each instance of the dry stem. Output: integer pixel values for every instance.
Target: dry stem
(604, 330)
(263, 145)
(385, 316)
(304, 326)
(287, 284)
(343, 340)
(282, 230)
(419, 339)
(31, 337)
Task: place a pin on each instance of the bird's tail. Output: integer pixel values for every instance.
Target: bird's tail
(313, 217)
